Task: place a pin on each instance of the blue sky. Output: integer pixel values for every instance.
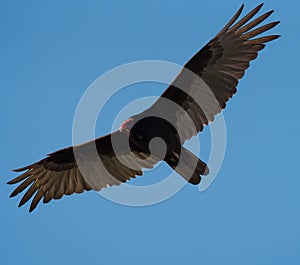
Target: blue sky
(51, 51)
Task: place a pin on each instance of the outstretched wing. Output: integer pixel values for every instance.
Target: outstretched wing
(59, 174)
(217, 67)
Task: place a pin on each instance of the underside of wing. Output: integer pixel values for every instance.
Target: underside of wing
(65, 172)
(210, 77)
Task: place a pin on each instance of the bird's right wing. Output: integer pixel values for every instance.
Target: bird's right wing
(64, 173)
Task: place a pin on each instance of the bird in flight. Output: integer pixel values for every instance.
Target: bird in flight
(198, 93)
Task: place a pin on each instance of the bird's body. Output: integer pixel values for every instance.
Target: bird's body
(199, 92)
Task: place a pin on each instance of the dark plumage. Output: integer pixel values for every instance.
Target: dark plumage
(217, 67)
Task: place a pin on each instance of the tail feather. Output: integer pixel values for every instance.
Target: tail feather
(188, 166)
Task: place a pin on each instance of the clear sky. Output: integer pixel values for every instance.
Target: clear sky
(51, 51)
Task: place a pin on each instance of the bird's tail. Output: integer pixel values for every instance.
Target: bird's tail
(188, 166)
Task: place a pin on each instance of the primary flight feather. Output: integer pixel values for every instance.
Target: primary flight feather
(200, 91)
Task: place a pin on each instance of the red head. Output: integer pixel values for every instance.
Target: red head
(127, 125)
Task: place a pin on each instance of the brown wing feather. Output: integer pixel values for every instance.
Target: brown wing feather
(58, 174)
(217, 67)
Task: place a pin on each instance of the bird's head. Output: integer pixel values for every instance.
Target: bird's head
(127, 125)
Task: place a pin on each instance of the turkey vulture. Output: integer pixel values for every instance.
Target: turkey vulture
(196, 98)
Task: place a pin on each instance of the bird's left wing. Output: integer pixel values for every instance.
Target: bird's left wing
(210, 77)
(59, 173)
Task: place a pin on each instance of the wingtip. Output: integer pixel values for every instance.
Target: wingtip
(278, 36)
(13, 194)
(20, 169)
(261, 5)
(10, 182)
(271, 11)
(258, 8)
(31, 209)
(277, 22)
(25, 199)
(274, 37)
(21, 203)
(241, 8)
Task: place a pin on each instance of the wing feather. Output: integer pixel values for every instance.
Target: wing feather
(59, 174)
(216, 69)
